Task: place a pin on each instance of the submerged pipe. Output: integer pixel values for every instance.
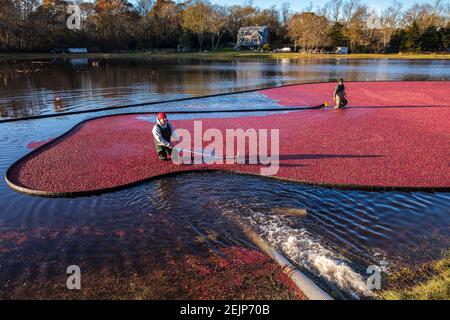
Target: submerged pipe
(149, 103)
(311, 290)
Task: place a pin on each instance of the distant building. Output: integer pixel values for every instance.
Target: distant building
(77, 50)
(284, 50)
(342, 50)
(252, 37)
(70, 50)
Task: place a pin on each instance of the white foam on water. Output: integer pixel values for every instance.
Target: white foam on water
(303, 249)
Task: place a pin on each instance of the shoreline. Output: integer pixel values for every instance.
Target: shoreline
(428, 281)
(222, 55)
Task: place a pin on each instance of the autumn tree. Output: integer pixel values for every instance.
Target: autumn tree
(197, 19)
(425, 15)
(412, 38)
(115, 23)
(219, 25)
(431, 39)
(271, 18)
(241, 16)
(355, 22)
(333, 10)
(446, 36)
(40, 25)
(308, 30)
(162, 24)
(18, 23)
(390, 21)
(336, 35)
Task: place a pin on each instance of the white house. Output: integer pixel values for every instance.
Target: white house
(252, 37)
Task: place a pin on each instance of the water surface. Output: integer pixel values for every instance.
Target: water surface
(31, 88)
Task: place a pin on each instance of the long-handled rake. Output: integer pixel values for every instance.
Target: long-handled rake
(202, 153)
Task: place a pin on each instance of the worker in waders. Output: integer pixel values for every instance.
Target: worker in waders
(339, 95)
(162, 133)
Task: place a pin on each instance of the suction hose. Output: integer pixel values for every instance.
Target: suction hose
(306, 285)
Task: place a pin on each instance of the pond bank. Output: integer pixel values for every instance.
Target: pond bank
(221, 55)
(433, 282)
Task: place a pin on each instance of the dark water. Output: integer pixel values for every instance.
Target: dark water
(30, 88)
(342, 234)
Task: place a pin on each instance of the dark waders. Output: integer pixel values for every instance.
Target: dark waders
(339, 95)
(163, 151)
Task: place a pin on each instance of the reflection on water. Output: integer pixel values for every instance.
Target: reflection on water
(32, 88)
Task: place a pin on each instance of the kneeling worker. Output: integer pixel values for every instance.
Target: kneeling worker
(162, 133)
(339, 95)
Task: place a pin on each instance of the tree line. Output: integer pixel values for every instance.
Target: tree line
(118, 25)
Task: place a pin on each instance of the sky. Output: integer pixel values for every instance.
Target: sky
(297, 5)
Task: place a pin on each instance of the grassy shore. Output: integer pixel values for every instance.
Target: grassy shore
(219, 55)
(435, 284)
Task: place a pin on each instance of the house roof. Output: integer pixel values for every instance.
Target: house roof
(247, 35)
(249, 31)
